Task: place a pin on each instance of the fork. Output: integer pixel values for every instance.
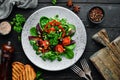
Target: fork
(86, 68)
(79, 71)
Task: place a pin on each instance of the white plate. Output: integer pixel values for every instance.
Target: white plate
(79, 37)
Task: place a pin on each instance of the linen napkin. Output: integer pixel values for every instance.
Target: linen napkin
(7, 6)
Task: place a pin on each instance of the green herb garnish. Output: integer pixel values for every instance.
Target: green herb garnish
(38, 76)
(17, 23)
(54, 2)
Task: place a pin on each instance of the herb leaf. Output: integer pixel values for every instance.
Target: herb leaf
(33, 31)
(38, 76)
(17, 22)
(69, 53)
(43, 21)
(54, 2)
(71, 46)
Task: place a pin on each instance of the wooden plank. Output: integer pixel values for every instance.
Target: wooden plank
(105, 64)
(110, 9)
(85, 1)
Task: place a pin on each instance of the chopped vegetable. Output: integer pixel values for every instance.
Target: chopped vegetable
(66, 41)
(51, 38)
(59, 48)
(17, 22)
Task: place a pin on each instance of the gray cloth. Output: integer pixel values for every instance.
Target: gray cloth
(7, 6)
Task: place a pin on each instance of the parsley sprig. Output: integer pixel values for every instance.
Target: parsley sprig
(17, 22)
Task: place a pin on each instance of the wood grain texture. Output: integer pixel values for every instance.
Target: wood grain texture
(105, 64)
(85, 1)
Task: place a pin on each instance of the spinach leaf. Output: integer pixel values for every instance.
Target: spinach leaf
(71, 27)
(32, 42)
(71, 46)
(59, 58)
(33, 31)
(43, 21)
(71, 30)
(63, 21)
(35, 47)
(49, 55)
(69, 53)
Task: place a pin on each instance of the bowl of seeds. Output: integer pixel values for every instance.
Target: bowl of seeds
(96, 15)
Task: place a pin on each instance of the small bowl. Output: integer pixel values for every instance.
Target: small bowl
(96, 15)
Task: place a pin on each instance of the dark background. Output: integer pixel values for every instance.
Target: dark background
(111, 23)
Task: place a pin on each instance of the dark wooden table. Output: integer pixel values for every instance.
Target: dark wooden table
(111, 24)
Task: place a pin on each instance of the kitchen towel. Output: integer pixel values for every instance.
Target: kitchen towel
(7, 6)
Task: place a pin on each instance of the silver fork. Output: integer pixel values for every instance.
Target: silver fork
(79, 71)
(86, 68)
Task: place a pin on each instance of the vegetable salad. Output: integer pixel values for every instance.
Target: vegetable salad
(51, 38)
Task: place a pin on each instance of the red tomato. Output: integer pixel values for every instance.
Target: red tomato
(59, 48)
(66, 41)
(52, 29)
(44, 43)
(57, 23)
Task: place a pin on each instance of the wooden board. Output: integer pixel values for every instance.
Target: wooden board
(104, 63)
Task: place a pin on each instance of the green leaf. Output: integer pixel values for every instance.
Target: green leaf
(54, 2)
(63, 21)
(69, 53)
(38, 74)
(37, 52)
(33, 31)
(35, 47)
(43, 21)
(59, 58)
(71, 46)
(49, 55)
(32, 42)
(72, 27)
(19, 38)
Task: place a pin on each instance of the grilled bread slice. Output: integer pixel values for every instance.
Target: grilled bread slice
(17, 69)
(29, 73)
(22, 72)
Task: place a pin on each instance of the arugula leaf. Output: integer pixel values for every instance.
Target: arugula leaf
(33, 31)
(69, 53)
